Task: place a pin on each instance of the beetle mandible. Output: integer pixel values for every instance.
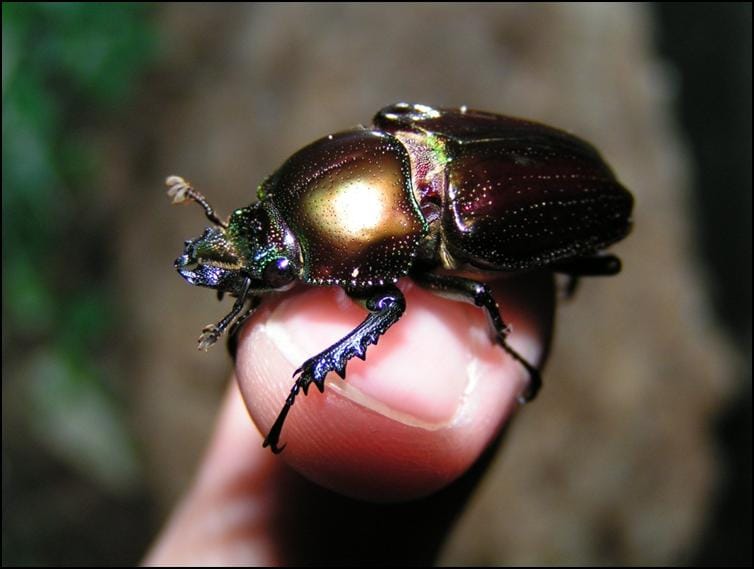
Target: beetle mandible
(422, 193)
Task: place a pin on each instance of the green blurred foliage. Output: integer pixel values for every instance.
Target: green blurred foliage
(67, 68)
(63, 64)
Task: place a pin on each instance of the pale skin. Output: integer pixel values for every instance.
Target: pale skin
(408, 428)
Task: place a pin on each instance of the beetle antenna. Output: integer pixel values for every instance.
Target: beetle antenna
(181, 191)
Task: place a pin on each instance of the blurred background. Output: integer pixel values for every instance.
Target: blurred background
(639, 449)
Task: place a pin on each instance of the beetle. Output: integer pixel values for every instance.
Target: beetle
(430, 193)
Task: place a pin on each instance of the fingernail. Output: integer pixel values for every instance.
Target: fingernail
(420, 373)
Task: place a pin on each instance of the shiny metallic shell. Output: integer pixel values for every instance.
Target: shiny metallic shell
(516, 195)
(349, 201)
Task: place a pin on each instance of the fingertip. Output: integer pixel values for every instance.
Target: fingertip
(410, 419)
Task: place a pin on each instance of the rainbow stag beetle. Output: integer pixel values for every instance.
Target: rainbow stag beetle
(422, 189)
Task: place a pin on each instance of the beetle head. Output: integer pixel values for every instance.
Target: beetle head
(256, 246)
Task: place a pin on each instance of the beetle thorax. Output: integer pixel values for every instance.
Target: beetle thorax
(347, 198)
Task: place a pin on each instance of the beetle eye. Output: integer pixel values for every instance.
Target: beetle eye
(278, 272)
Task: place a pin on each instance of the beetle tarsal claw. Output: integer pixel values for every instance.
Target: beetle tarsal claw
(535, 379)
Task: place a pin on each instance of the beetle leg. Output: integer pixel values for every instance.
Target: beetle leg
(594, 266)
(386, 306)
(212, 332)
(181, 190)
(255, 301)
(473, 292)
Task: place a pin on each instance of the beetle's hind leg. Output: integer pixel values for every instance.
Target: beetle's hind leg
(595, 266)
(473, 292)
(386, 305)
(181, 191)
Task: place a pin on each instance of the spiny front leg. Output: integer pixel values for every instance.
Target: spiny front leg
(385, 305)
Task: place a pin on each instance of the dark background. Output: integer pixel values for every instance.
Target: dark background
(91, 94)
(716, 115)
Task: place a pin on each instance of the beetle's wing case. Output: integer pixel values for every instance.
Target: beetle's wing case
(348, 200)
(518, 194)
